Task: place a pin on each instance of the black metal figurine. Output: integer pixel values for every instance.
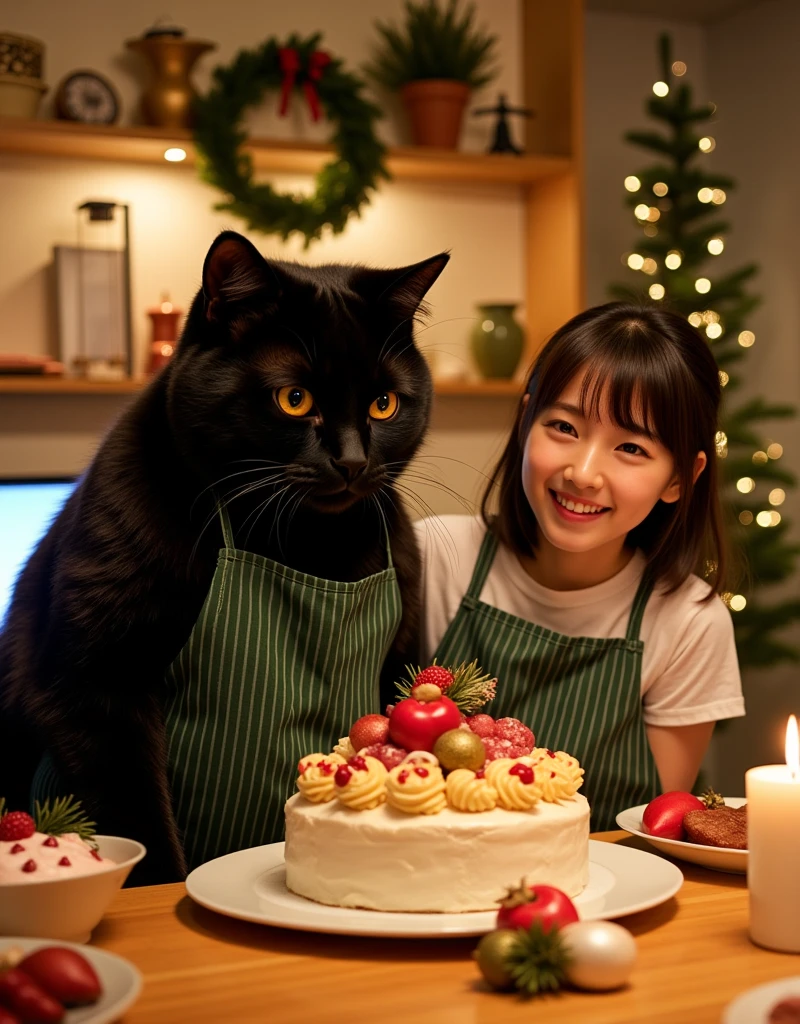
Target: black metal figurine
(502, 141)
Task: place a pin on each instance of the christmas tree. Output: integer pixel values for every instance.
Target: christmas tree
(677, 204)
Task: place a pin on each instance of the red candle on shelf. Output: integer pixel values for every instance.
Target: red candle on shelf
(164, 320)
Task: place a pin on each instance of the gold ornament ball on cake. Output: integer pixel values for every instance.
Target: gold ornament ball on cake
(460, 748)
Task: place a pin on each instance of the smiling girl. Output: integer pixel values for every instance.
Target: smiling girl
(592, 593)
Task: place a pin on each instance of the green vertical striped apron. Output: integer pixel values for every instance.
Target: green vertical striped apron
(579, 694)
(279, 664)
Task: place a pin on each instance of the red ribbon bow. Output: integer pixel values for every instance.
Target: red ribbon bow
(289, 60)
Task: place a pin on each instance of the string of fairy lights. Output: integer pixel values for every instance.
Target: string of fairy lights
(648, 214)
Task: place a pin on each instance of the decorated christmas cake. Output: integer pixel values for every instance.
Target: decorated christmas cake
(436, 808)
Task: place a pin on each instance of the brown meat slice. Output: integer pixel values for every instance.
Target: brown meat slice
(787, 1011)
(722, 826)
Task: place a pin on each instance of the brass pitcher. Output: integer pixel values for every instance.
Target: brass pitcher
(167, 100)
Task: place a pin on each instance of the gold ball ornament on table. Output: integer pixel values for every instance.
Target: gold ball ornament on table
(460, 748)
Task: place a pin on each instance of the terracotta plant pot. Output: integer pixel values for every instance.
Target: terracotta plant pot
(435, 109)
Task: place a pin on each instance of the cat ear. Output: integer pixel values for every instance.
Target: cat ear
(235, 272)
(404, 289)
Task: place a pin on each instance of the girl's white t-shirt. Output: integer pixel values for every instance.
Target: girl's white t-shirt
(690, 672)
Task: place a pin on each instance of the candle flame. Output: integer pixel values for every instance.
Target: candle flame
(792, 746)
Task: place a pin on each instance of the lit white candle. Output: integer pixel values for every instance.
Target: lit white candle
(773, 840)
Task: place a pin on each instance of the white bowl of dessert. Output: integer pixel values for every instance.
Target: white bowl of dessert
(59, 887)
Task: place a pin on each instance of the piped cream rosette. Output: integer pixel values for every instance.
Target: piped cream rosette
(360, 783)
(468, 791)
(315, 780)
(416, 785)
(515, 781)
(559, 775)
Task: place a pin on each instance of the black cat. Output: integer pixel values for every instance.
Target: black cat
(109, 597)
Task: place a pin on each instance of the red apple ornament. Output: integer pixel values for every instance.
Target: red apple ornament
(525, 904)
(418, 721)
(369, 730)
(663, 817)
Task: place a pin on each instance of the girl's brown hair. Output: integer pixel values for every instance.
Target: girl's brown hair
(652, 363)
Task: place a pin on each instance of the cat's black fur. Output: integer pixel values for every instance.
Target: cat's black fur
(110, 596)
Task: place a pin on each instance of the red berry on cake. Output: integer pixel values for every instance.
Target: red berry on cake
(388, 754)
(369, 730)
(16, 825)
(482, 725)
(436, 674)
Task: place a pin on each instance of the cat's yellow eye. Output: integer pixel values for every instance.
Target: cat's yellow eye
(384, 406)
(295, 401)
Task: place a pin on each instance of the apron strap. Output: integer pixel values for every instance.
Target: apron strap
(225, 523)
(483, 564)
(643, 593)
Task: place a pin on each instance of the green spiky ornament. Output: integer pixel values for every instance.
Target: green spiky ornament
(534, 961)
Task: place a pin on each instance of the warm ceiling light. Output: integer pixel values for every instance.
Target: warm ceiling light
(175, 154)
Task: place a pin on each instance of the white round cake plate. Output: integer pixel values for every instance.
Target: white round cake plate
(121, 981)
(251, 885)
(754, 1005)
(715, 857)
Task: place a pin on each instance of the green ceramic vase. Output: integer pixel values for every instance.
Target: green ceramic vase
(497, 340)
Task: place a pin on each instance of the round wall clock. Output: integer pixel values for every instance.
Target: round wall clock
(87, 97)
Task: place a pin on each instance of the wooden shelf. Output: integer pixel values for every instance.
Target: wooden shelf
(147, 145)
(22, 384)
(34, 385)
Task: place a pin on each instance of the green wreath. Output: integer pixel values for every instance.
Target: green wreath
(343, 185)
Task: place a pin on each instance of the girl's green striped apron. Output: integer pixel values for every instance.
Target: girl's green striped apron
(278, 665)
(579, 694)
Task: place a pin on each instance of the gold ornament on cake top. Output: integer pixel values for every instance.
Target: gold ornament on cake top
(360, 783)
(416, 788)
(470, 791)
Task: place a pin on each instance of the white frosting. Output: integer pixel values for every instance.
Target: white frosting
(47, 858)
(449, 862)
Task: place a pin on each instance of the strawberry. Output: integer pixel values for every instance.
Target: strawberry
(436, 674)
(16, 825)
(64, 974)
(663, 816)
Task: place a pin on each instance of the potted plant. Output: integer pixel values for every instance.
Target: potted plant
(434, 61)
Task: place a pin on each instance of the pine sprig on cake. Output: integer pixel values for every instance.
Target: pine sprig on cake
(2, 806)
(537, 961)
(65, 815)
(467, 685)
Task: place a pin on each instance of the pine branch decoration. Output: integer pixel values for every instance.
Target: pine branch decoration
(470, 690)
(65, 815)
(537, 961)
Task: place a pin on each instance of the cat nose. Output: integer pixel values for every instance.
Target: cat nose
(350, 468)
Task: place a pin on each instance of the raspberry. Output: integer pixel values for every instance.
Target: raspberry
(65, 863)
(16, 825)
(436, 674)
(519, 734)
(389, 755)
(495, 747)
(482, 725)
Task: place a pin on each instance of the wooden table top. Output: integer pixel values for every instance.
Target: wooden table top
(694, 957)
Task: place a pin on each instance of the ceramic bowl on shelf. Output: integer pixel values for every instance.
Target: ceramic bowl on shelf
(68, 908)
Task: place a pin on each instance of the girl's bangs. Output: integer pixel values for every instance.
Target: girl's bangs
(634, 385)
